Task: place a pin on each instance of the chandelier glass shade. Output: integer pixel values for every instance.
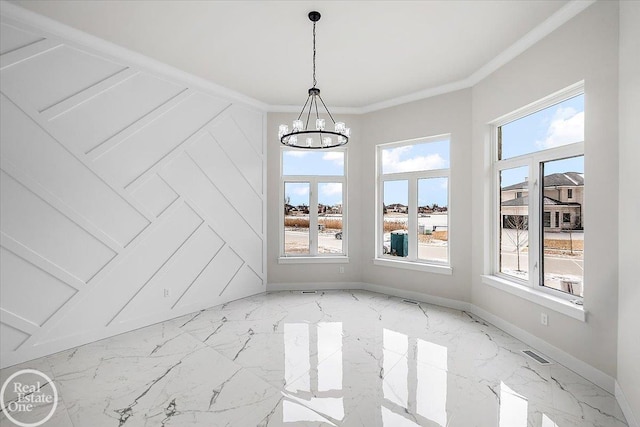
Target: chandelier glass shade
(309, 131)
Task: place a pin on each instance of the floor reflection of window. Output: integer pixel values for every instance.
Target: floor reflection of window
(547, 422)
(513, 408)
(296, 356)
(415, 382)
(313, 367)
(329, 356)
(432, 382)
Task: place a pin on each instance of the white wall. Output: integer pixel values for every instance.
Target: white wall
(629, 209)
(586, 48)
(449, 113)
(313, 275)
(127, 198)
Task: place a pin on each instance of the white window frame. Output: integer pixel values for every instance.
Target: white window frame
(411, 262)
(314, 180)
(530, 289)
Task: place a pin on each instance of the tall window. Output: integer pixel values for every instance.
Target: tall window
(313, 218)
(413, 197)
(539, 171)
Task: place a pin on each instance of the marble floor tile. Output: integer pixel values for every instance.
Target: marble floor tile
(335, 358)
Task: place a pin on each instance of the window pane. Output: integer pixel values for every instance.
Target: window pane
(395, 215)
(417, 157)
(296, 218)
(323, 163)
(330, 218)
(514, 222)
(433, 214)
(560, 124)
(562, 258)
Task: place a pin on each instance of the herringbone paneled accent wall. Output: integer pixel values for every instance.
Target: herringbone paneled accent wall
(126, 198)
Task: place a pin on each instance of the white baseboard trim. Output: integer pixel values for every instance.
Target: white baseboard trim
(312, 286)
(417, 296)
(626, 408)
(581, 368)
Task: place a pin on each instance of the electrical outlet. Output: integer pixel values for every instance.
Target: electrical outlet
(166, 292)
(544, 319)
(341, 270)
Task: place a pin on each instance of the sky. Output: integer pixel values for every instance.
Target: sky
(554, 126)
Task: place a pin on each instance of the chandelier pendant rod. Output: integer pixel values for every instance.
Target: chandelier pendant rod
(326, 109)
(320, 137)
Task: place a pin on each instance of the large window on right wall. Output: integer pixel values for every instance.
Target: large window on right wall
(540, 205)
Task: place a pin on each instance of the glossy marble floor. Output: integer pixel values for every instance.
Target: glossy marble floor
(334, 358)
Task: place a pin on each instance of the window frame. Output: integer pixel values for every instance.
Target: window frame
(412, 262)
(532, 288)
(314, 180)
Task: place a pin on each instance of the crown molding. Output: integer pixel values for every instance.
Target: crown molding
(62, 31)
(563, 15)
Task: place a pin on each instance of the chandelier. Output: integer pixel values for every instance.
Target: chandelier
(301, 136)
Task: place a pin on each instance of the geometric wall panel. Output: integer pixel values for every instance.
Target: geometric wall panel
(214, 279)
(240, 151)
(11, 337)
(103, 116)
(126, 197)
(28, 291)
(133, 156)
(229, 180)
(249, 122)
(35, 224)
(36, 154)
(116, 289)
(155, 195)
(175, 277)
(184, 176)
(12, 38)
(51, 77)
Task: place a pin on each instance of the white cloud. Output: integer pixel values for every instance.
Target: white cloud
(300, 190)
(567, 126)
(334, 156)
(331, 188)
(296, 153)
(391, 162)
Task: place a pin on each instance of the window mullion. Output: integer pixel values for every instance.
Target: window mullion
(412, 218)
(313, 217)
(534, 223)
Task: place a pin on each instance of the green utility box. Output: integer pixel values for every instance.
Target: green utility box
(400, 243)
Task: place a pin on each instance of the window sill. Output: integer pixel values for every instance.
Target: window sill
(417, 266)
(549, 301)
(313, 260)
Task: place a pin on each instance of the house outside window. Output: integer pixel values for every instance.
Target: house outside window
(539, 171)
(413, 202)
(314, 214)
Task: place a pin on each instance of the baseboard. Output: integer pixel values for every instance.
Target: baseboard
(312, 286)
(417, 296)
(581, 368)
(624, 405)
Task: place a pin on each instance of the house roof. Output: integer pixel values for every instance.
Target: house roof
(567, 179)
(524, 201)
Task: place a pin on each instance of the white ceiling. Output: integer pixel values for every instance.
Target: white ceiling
(368, 51)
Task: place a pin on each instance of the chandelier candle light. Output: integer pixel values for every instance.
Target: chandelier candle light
(301, 136)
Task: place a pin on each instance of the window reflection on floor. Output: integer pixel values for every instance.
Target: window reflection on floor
(513, 408)
(415, 382)
(313, 367)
